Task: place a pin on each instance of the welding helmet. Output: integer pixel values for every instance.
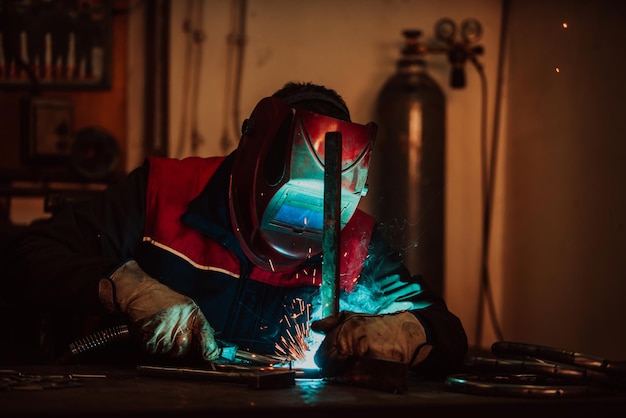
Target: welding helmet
(277, 181)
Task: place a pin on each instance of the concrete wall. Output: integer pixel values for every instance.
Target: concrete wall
(563, 204)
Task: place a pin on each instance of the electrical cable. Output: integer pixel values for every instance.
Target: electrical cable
(488, 183)
(241, 40)
(198, 38)
(193, 27)
(484, 272)
(186, 79)
(233, 75)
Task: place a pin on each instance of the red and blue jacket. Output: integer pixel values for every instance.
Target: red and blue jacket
(172, 216)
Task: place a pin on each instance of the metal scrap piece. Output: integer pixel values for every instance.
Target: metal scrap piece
(255, 378)
(12, 380)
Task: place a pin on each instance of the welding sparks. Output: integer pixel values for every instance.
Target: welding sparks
(295, 343)
(299, 343)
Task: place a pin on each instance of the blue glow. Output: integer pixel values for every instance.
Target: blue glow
(314, 341)
(386, 295)
(301, 218)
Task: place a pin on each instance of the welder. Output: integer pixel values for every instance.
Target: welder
(194, 251)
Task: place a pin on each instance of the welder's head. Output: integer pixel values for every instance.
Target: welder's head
(277, 182)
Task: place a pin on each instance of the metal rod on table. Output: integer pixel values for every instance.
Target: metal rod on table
(332, 224)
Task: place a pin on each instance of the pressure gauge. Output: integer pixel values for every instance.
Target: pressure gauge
(445, 29)
(471, 30)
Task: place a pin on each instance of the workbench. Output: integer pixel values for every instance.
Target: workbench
(115, 391)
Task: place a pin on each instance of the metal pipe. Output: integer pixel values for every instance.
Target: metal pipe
(332, 224)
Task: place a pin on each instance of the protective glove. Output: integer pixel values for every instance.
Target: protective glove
(396, 337)
(170, 323)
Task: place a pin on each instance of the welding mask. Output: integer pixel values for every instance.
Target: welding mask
(277, 181)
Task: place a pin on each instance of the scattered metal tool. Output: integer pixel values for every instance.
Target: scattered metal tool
(536, 371)
(255, 378)
(13, 380)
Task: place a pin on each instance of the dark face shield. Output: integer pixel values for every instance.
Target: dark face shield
(277, 184)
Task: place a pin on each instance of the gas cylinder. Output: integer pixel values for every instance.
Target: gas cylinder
(406, 177)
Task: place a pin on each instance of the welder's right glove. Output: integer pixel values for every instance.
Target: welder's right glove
(170, 323)
(398, 337)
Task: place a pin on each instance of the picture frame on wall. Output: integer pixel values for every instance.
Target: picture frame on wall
(46, 130)
(56, 44)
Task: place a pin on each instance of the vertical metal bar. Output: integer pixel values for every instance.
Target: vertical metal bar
(332, 224)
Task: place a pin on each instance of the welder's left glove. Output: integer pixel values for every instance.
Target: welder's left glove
(170, 323)
(397, 337)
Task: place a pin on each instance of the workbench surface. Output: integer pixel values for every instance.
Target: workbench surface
(96, 390)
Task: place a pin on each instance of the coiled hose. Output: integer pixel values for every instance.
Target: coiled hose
(95, 340)
(100, 338)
